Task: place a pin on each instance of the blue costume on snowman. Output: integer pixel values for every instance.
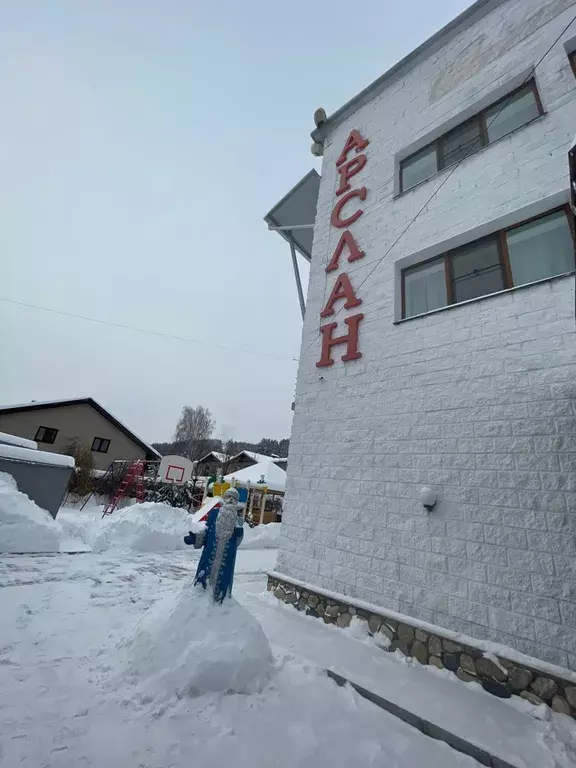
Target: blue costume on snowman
(220, 540)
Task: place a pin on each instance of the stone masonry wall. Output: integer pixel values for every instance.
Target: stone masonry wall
(501, 678)
(476, 401)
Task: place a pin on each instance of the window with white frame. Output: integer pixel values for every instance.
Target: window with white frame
(501, 118)
(532, 250)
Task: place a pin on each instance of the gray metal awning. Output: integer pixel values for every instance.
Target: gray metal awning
(293, 217)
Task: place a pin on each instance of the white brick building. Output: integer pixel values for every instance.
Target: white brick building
(474, 398)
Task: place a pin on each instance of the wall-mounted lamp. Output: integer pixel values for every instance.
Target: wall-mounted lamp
(428, 498)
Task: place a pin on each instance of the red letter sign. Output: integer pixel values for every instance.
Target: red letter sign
(349, 169)
(335, 219)
(342, 290)
(350, 339)
(354, 140)
(347, 238)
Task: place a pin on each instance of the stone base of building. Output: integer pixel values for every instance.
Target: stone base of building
(501, 678)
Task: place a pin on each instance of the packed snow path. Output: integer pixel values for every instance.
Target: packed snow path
(62, 619)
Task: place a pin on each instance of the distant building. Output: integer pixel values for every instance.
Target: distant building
(215, 462)
(248, 458)
(59, 425)
(210, 464)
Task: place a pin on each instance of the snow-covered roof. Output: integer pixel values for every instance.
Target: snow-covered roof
(23, 442)
(214, 456)
(274, 476)
(39, 405)
(17, 453)
(256, 456)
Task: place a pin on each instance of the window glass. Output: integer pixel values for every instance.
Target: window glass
(461, 142)
(540, 249)
(418, 167)
(424, 288)
(476, 270)
(511, 112)
(507, 114)
(46, 435)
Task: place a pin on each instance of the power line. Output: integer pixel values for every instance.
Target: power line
(439, 187)
(144, 330)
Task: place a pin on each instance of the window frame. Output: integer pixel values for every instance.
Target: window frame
(495, 236)
(52, 430)
(100, 441)
(480, 117)
(504, 259)
(572, 60)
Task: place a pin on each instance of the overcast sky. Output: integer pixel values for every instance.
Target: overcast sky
(142, 143)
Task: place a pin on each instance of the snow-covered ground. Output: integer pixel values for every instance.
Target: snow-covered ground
(69, 699)
(75, 694)
(111, 659)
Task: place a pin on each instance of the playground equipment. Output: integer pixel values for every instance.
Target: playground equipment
(134, 476)
(265, 483)
(167, 481)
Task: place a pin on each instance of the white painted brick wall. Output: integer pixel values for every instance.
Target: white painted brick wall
(477, 401)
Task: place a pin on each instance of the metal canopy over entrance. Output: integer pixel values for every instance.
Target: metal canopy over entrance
(293, 217)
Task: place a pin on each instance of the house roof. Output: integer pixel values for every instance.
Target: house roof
(151, 453)
(258, 456)
(213, 456)
(468, 17)
(274, 476)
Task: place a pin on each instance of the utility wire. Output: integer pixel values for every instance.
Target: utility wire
(439, 187)
(144, 330)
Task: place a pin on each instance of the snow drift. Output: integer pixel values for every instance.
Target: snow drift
(186, 645)
(24, 527)
(79, 527)
(143, 528)
(261, 537)
(156, 528)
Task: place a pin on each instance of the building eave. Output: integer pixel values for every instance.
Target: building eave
(468, 17)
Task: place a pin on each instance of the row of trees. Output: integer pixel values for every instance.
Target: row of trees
(193, 438)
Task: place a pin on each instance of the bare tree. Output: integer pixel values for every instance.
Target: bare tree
(229, 449)
(194, 429)
(81, 480)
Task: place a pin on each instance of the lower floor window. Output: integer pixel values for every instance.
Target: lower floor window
(533, 250)
(100, 444)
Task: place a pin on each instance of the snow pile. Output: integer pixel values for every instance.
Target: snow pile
(24, 527)
(188, 645)
(143, 528)
(79, 527)
(261, 537)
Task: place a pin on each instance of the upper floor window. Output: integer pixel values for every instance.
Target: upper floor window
(518, 108)
(525, 253)
(100, 444)
(46, 435)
